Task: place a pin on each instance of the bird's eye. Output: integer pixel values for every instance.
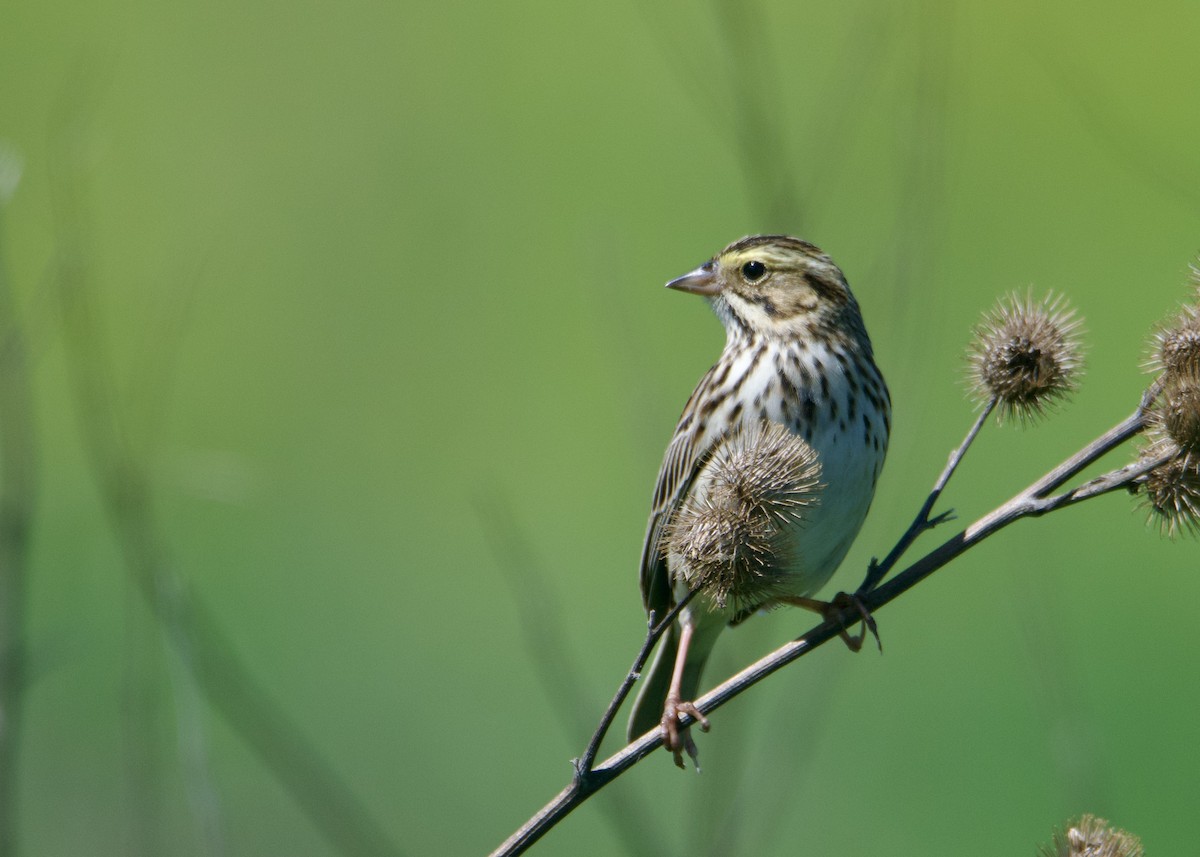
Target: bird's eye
(754, 270)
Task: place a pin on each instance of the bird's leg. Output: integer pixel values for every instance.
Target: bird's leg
(676, 740)
(830, 609)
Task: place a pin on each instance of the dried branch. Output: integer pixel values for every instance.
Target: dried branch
(923, 523)
(585, 774)
(546, 641)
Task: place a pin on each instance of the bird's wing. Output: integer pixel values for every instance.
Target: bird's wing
(685, 457)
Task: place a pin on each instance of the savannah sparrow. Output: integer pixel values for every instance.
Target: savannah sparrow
(796, 354)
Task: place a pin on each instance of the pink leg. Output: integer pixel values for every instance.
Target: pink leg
(676, 740)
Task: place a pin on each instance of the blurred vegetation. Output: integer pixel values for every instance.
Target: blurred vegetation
(367, 279)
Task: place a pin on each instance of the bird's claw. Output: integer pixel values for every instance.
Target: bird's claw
(676, 740)
(854, 642)
(832, 610)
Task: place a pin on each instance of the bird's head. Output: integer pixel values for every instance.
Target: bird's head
(777, 287)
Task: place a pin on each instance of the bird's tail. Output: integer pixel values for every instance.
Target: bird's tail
(648, 706)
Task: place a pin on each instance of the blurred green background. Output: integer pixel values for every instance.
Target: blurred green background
(380, 291)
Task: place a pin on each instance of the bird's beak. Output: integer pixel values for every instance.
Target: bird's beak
(702, 281)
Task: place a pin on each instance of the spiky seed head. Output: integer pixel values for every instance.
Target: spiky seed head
(1092, 837)
(1026, 355)
(1176, 413)
(1171, 492)
(725, 552)
(729, 540)
(1177, 346)
(766, 467)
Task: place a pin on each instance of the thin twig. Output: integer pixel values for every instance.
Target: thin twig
(1110, 440)
(612, 767)
(540, 616)
(1114, 480)
(655, 630)
(1027, 503)
(923, 523)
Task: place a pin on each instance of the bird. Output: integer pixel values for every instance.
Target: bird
(797, 354)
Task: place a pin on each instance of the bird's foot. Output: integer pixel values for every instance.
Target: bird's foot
(678, 741)
(834, 609)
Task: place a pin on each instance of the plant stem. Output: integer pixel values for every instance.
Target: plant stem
(923, 523)
(583, 767)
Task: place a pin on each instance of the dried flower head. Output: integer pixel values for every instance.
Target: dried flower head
(1092, 837)
(1177, 346)
(728, 539)
(1171, 491)
(1026, 355)
(1176, 412)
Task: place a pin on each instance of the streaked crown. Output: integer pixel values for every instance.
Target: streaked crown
(777, 287)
